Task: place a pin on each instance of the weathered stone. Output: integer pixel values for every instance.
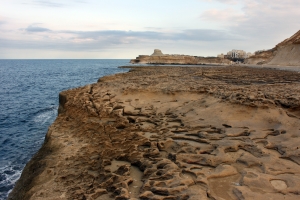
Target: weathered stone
(190, 133)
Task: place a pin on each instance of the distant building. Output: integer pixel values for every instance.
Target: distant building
(238, 54)
(221, 56)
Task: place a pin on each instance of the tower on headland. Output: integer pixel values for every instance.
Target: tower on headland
(157, 52)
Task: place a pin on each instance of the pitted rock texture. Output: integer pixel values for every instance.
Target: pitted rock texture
(164, 133)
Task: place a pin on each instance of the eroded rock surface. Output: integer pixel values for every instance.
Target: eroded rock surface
(163, 133)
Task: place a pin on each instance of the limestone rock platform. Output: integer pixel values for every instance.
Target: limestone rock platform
(173, 133)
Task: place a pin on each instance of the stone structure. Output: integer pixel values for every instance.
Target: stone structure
(157, 52)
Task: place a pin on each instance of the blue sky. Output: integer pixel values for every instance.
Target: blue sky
(127, 28)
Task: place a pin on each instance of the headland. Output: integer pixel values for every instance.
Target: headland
(158, 133)
(159, 58)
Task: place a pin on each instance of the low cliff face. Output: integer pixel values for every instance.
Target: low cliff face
(163, 133)
(179, 59)
(261, 58)
(286, 53)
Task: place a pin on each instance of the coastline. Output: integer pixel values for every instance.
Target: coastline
(168, 132)
(295, 68)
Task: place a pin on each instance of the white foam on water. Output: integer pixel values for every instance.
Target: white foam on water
(10, 172)
(45, 116)
(11, 178)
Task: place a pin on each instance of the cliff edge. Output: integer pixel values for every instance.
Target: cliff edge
(286, 53)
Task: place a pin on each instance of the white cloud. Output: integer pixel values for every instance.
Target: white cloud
(224, 16)
(46, 3)
(53, 3)
(225, 1)
(2, 20)
(37, 37)
(271, 18)
(263, 22)
(124, 44)
(208, 27)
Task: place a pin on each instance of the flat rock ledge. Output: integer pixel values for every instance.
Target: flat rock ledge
(172, 133)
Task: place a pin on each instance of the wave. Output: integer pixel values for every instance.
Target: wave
(8, 177)
(44, 115)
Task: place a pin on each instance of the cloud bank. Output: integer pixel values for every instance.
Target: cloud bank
(219, 26)
(258, 18)
(39, 37)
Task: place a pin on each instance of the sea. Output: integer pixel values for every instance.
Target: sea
(29, 101)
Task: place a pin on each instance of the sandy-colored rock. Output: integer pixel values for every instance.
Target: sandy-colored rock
(159, 58)
(189, 133)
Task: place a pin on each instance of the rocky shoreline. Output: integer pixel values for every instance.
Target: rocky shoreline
(165, 133)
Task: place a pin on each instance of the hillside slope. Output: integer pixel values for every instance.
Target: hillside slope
(286, 53)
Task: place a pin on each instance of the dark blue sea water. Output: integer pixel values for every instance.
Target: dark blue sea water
(29, 102)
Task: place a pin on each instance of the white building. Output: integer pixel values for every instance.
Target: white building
(239, 54)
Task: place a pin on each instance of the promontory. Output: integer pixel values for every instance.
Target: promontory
(178, 59)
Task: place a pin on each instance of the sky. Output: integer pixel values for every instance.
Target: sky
(98, 29)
